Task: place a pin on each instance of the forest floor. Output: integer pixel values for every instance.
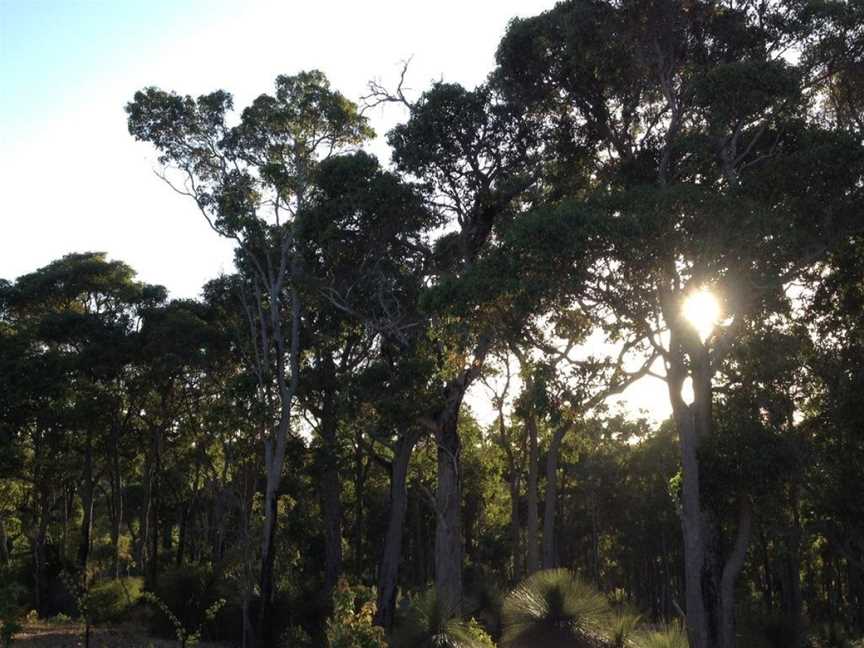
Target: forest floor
(71, 635)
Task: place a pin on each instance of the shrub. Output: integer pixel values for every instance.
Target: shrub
(351, 624)
(554, 608)
(111, 600)
(188, 591)
(187, 636)
(622, 627)
(428, 624)
(10, 612)
(670, 637)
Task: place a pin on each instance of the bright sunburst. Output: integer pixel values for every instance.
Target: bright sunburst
(702, 311)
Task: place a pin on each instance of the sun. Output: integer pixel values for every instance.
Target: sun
(702, 310)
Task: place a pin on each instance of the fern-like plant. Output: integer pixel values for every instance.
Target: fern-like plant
(554, 608)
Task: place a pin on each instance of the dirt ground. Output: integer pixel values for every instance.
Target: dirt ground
(50, 635)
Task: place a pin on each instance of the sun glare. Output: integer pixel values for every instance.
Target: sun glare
(702, 311)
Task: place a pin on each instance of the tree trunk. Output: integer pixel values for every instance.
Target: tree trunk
(709, 584)
(515, 525)
(448, 503)
(40, 558)
(268, 558)
(730, 573)
(388, 573)
(331, 497)
(116, 501)
(792, 603)
(86, 504)
(688, 424)
(550, 558)
(532, 527)
(4, 544)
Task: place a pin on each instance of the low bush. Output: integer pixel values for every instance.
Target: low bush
(351, 624)
(10, 610)
(429, 624)
(111, 600)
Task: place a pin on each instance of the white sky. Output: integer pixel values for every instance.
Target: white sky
(72, 179)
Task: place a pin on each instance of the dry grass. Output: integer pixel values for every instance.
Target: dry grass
(52, 635)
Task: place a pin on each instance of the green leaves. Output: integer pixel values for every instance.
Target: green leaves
(264, 162)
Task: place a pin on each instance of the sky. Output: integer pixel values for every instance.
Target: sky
(71, 177)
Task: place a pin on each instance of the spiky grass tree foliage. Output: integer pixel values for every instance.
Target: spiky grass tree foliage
(671, 637)
(622, 628)
(555, 609)
(430, 624)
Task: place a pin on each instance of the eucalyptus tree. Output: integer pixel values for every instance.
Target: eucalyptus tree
(834, 422)
(477, 164)
(363, 233)
(710, 169)
(80, 315)
(250, 181)
(183, 354)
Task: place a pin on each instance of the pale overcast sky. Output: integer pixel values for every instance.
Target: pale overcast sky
(71, 177)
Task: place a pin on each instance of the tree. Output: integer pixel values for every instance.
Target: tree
(709, 170)
(477, 164)
(250, 181)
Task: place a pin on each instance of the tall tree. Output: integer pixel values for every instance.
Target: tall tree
(250, 181)
(708, 172)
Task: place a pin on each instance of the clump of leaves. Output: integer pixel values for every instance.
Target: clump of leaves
(431, 624)
(352, 625)
(554, 608)
(186, 637)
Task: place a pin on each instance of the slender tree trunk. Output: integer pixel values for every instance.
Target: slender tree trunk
(515, 524)
(4, 544)
(268, 557)
(792, 602)
(692, 524)
(731, 570)
(533, 520)
(388, 573)
(275, 446)
(116, 501)
(448, 530)
(331, 497)
(40, 558)
(87, 498)
(154, 511)
(550, 557)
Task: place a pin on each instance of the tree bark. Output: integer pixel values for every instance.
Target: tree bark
(448, 503)
(331, 499)
(86, 503)
(532, 527)
(550, 557)
(4, 544)
(730, 573)
(686, 421)
(388, 573)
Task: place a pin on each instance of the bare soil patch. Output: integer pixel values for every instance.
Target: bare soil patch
(52, 635)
